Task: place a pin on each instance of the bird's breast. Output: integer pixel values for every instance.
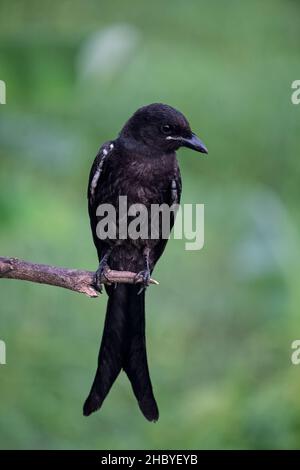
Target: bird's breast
(149, 178)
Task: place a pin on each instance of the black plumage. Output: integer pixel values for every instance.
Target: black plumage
(140, 164)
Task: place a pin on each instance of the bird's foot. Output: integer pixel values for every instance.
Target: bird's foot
(143, 277)
(101, 272)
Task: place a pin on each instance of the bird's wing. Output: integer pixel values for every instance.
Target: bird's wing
(97, 170)
(173, 198)
(176, 187)
(96, 179)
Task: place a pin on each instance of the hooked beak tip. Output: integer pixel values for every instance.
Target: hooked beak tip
(203, 149)
(195, 143)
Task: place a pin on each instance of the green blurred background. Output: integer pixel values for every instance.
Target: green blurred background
(221, 323)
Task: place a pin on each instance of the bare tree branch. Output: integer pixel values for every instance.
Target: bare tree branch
(72, 279)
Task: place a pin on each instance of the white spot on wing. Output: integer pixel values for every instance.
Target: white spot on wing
(97, 174)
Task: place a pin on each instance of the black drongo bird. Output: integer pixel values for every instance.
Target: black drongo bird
(140, 164)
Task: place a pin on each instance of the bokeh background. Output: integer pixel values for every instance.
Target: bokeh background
(221, 323)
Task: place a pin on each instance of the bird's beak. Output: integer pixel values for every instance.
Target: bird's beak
(194, 143)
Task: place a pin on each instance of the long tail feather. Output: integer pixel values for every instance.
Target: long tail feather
(123, 346)
(136, 364)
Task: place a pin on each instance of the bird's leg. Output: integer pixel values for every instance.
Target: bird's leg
(102, 270)
(145, 274)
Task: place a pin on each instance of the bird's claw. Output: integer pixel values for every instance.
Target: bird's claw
(99, 274)
(143, 277)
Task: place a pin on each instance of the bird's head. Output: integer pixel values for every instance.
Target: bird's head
(162, 128)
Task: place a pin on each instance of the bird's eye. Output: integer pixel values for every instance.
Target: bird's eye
(166, 129)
